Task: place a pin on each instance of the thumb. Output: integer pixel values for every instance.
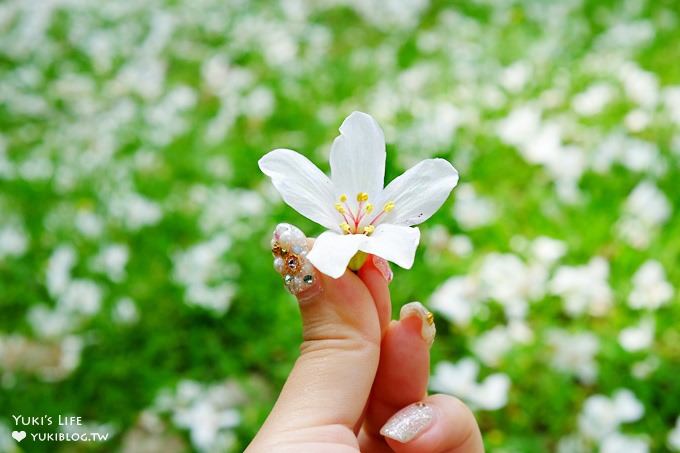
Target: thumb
(331, 380)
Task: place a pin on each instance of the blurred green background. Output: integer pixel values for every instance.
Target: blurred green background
(136, 286)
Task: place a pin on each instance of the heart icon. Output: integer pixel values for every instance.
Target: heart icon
(19, 435)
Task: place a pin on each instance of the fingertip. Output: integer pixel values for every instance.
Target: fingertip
(440, 423)
(377, 285)
(415, 314)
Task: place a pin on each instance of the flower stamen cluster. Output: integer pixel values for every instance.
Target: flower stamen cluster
(353, 222)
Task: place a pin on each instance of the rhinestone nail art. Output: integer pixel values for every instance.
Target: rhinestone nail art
(289, 246)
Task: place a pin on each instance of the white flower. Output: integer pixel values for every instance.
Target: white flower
(456, 299)
(59, 268)
(81, 296)
(112, 260)
(650, 288)
(593, 100)
(51, 323)
(671, 99)
(584, 288)
(491, 346)
(360, 214)
(643, 369)
(125, 311)
(602, 416)
(6, 443)
(205, 421)
(135, 211)
(646, 209)
(208, 412)
(88, 223)
(617, 442)
(575, 353)
(461, 380)
(504, 277)
(521, 124)
(200, 270)
(637, 338)
(13, 241)
(471, 210)
(547, 251)
(572, 443)
(641, 86)
(439, 240)
(515, 77)
(674, 436)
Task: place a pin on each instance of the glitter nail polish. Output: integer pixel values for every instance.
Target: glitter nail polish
(406, 424)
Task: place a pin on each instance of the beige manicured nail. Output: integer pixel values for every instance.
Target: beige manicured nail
(428, 329)
(290, 248)
(383, 267)
(406, 424)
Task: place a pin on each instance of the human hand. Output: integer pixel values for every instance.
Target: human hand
(357, 369)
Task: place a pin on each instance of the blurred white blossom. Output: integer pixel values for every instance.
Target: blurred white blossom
(134, 210)
(81, 296)
(593, 100)
(59, 268)
(7, 444)
(639, 337)
(50, 360)
(584, 289)
(111, 260)
(508, 280)
(651, 290)
(645, 210)
(125, 311)
(617, 442)
(602, 416)
(674, 436)
(472, 210)
(203, 274)
(575, 353)
(461, 380)
(491, 346)
(13, 241)
(457, 299)
(208, 412)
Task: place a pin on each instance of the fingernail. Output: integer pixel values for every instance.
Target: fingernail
(290, 248)
(428, 329)
(406, 424)
(383, 267)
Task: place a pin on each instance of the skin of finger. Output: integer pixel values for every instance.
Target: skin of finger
(331, 380)
(453, 430)
(371, 444)
(379, 289)
(403, 373)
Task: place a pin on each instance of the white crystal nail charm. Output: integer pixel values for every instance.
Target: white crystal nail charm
(289, 246)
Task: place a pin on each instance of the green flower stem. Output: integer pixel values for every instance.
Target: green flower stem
(357, 261)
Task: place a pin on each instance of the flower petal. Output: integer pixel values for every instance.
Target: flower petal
(394, 243)
(331, 252)
(358, 157)
(420, 191)
(302, 185)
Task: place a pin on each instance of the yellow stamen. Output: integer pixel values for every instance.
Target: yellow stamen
(388, 206)
(369, 208)
(362, 196)
(339, 208)
(343, 198)
(345, 228)
(368, 229)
